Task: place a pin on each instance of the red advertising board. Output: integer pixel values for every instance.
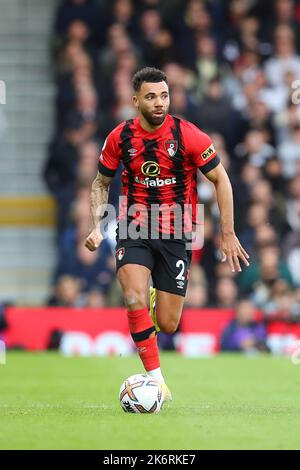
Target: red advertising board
(105, 331)
(31, 327)
(201, 331)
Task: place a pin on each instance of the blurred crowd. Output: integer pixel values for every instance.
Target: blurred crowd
(233, 68)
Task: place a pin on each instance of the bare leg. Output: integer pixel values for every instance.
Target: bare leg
(168, 310)
(134, 280)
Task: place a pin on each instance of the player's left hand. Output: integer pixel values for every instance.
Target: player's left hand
(233, 251)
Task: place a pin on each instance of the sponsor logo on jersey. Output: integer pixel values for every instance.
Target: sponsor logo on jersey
(132, 151)
(155, 183)
(208, 152)
(150, 168)
(171, 147)
(120, 254)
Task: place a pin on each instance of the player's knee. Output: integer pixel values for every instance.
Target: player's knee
(169, 326)
(135, 299)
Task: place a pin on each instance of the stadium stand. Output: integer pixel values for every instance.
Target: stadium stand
(232, 67)
(27, 212)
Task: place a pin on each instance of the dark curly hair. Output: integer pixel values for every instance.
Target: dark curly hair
(150, 75)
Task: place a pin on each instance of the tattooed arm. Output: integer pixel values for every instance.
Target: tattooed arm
(98, 202)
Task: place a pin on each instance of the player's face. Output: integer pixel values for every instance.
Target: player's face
(153, 102)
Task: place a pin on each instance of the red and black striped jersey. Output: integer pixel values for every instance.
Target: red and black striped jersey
(159, 166)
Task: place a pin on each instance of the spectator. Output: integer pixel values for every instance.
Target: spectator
(87, 165)
(95, 298)
(244, 333)
(206, 63)
(289, 153)
(257, 215)
(182, 106)
(197, 292)
(293, 203)
(219, 114)
(123, 13)
(66, 292)
(82, 10)
(285, 58)
(155, 41)
(255, 149)
(226, 293)
(291, 252)
(263, 273)
(283, 304)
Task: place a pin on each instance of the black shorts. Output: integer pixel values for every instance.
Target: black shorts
(168, 261)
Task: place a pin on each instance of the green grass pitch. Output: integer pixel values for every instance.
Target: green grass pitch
(227, 402)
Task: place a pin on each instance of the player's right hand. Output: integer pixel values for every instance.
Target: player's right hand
(93, 240)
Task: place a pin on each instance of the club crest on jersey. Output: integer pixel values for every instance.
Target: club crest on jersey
(171, 147)
(120, 253)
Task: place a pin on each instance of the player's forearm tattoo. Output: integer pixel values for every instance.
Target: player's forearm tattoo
(99, 198)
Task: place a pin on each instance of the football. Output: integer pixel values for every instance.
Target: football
(141, 393)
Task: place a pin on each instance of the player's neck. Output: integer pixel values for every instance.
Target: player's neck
(147, 127)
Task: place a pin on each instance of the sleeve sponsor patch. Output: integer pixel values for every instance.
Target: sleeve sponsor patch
(208, 152)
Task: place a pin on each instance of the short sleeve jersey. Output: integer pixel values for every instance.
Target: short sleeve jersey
(159, 166)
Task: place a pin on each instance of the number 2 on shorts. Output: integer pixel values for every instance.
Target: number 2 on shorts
(180, 264)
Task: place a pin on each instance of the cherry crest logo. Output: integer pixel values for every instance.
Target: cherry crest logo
(171, 147)
(120, 253)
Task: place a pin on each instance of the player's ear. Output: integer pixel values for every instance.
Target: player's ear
(135, 101)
